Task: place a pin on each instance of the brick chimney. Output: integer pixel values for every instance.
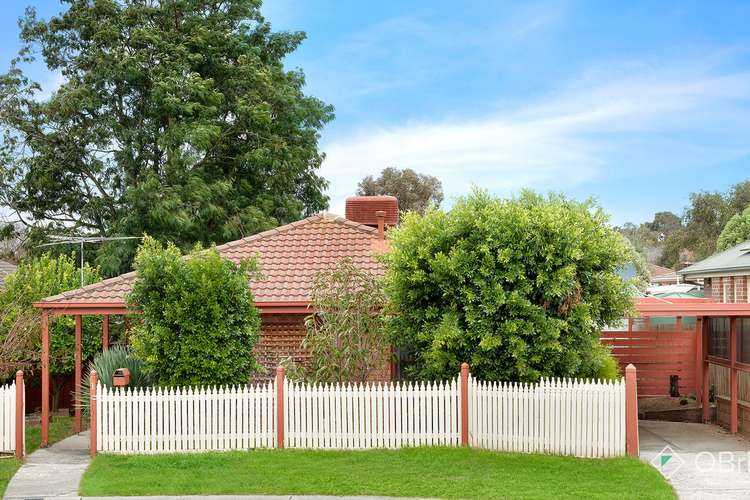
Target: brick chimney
(375, 211)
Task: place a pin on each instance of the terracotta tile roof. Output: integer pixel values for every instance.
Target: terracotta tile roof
(659, 270)
(289, 257)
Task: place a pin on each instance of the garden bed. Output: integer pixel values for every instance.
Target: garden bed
(420, 472)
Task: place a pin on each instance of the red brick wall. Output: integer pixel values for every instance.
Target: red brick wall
(741, 289)
(281, 337)
(736, 292)
(717, 289)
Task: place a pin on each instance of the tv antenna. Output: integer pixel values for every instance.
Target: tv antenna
(81, 240)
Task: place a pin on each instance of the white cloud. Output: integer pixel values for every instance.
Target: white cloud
(666, 116)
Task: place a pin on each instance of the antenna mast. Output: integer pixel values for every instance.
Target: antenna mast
(81, 240)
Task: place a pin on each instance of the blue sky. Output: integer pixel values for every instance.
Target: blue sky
(634, 103)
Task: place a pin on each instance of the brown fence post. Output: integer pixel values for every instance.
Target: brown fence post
(464, 388)
(631, 411)
(20, 414)
(280, 407)
(92, 413)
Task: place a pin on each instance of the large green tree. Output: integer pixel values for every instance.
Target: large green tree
(735, 232)
(518, 288)
(414, 191)
(704, 220)
(176, 118)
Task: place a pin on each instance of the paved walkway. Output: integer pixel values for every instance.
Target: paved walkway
(52, 472)
(701, 461)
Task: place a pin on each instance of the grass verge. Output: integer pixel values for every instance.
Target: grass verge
(60, 428)
(423, 472)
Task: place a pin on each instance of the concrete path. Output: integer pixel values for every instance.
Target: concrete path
(52, 472)
(701, 461)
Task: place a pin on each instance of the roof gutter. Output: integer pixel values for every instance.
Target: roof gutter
(720, 270)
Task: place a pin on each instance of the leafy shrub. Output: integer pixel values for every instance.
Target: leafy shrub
(199, 321)
(518, 288)
(346, 336)
(20, 322)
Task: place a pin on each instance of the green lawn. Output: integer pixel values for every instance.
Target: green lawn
(425, 472)
(60, 427)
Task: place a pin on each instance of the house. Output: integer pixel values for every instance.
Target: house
(725, 275)
(693, 345)
(289, 257)
(6, 268)
(662, 276)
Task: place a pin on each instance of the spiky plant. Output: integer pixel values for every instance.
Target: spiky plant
(105, 364)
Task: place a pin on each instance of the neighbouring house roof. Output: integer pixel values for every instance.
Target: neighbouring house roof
(732, 260)
(659, 270)
(661, 275)
(6, 268)
(678, 290)
(289, 257)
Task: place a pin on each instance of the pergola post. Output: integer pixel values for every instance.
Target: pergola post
(45, 379)
(705, 397)
(698, 357)
(105, 332)
(733, 388)
(78, 360)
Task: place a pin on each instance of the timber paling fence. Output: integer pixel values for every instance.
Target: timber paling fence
(12, 418)
(559, 416)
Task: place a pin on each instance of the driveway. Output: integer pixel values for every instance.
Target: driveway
(702, 461)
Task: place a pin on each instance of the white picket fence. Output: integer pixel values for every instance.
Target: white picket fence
(565, 417)
(8, 418)
(357, 416)
(156, 420)
(559, 417)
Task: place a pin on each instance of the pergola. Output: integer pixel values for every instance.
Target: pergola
(704, 310)
(78, 310)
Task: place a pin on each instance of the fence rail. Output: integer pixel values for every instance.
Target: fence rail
(12, 427)
(565, 417)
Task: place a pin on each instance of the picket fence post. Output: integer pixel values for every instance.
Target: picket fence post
(20, 414)
(280, 407)
(92, 412)
(464, 388)
(631, 411)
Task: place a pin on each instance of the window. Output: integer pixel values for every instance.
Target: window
(718, 337)
(725, 294)
(743, 340)
(688, 323)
